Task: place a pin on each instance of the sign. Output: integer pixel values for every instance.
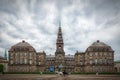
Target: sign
(52, 69)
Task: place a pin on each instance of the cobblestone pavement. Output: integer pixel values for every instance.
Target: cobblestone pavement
(54, 77)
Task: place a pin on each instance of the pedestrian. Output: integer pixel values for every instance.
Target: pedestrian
(64, 73)
(40, 72)
(97, 73)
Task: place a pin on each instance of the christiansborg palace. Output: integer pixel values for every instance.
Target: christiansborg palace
(98, 57)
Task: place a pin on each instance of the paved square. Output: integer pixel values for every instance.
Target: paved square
(54, 77)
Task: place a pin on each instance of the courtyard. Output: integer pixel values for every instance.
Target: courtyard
(55, 77)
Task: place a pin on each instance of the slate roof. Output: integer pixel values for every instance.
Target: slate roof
(99, 46)
(98, 43)
(22, 46)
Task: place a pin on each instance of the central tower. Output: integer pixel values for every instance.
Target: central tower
(59, 54)
(59, 42)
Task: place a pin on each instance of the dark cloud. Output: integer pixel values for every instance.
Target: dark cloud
(37, 21)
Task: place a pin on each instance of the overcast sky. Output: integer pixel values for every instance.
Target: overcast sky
(83, 22)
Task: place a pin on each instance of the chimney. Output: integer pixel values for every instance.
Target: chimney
(23, 41)
(98, 41)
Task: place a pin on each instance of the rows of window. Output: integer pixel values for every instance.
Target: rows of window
(20, 69)
(81, 56)
(69, 59)
(81, 59)
(21, 61)
(50, 59)
(39, 63)
(101, 61)
(69, 62)
(50, 62)
(81, 63)
(21, 49)
(100, 69)
(20, 55)
(101, 49)
(81, 69)
(100, 54)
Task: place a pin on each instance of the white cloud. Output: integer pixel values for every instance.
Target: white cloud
(83, 22)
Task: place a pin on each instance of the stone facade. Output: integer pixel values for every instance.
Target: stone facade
(79, 61)
(117, 66)
(98, 57)
(41, 61)
(22, 58)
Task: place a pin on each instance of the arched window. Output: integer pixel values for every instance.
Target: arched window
(16, 54)
(90, 54)
(20, 54)
(101, 54)
(30, 55)
(21, 61)
(81, 63)
(25, 54)
(60, 57)
(11, 61)
(96, 61)
(105, 61)
(59, 46)
(90, 61)
(16, 60)
(100, 61)
(105, 53)
(25, 61)
(96, 53)
(39, 63)
(110, 54)
(11, 55)
(30, 61)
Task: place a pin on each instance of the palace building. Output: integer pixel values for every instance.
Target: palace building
(98, 57)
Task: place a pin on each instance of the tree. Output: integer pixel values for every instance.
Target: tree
(1, 68)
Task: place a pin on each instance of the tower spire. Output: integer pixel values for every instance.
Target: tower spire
(5, 54)
(59, 43)
(59, 24)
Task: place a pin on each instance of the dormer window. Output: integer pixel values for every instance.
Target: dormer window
(90, 54)
(96, 53)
